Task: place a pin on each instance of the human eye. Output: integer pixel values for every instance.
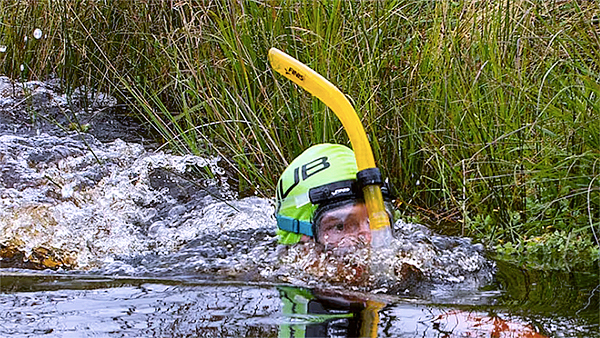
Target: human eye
(334, 227)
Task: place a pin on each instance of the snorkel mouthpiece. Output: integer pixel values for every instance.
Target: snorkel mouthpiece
(320, 87)
(371, 181)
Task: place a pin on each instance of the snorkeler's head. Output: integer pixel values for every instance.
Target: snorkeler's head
(318, 196)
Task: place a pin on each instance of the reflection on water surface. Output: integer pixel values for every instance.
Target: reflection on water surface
(87, 305)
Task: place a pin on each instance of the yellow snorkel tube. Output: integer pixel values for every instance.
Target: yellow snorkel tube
(368, 174)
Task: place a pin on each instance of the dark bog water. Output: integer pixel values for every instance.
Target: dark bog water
(129, 245)
(77, 305)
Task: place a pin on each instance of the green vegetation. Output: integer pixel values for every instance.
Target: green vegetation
(485, 115)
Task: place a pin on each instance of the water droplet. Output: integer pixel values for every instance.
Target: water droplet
(22, 67)
(37, 33)
(2, 48)
(25, 38)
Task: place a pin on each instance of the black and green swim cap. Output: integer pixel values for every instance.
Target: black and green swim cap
(318, 166)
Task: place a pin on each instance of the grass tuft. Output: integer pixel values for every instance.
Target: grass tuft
(484, 115)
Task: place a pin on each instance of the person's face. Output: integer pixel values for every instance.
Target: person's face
(345, 226)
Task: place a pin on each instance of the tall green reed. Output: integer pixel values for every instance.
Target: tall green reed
(484, 115)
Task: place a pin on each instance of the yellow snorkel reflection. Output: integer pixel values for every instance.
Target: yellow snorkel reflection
(320, 87)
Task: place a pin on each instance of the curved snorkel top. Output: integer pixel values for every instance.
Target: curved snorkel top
(369, 176)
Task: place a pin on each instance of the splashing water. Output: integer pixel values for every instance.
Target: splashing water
(37, 33)
(415, 261)
(122, 215)
(122, 210)
(94, 203)
(44, 95)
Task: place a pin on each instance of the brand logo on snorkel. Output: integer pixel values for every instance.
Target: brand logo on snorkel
(292, 71)
(339, 191)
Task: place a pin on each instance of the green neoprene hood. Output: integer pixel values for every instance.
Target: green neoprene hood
(318, 165)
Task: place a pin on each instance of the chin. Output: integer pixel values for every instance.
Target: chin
(347, 265)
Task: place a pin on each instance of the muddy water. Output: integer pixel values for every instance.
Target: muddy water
(136, 242)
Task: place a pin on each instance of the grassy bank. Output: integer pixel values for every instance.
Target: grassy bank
(485, 115)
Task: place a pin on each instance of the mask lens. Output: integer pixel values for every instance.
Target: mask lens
(344, 225)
